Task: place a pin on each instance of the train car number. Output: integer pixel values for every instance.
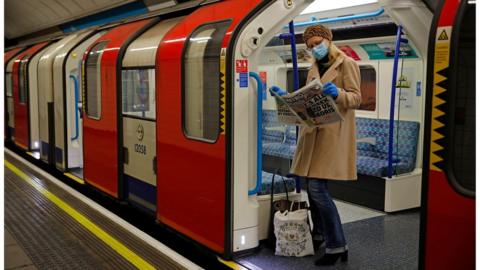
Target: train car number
(141, 149)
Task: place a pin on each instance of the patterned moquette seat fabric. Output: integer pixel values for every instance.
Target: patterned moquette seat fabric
(372, 159)
(278, 184)
(278, 140)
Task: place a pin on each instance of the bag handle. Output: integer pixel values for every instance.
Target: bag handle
(271, 187)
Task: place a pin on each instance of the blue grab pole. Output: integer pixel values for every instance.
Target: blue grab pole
(259, 132)
(293, 45)
(392, 101)
(75, 82)
(296, 84)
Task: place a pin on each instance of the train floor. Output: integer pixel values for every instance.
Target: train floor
(48, 226)
(375, 241)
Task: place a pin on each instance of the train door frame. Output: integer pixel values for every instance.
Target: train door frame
(73, 57)
(438, 190)
(247, 40)
(60, 99)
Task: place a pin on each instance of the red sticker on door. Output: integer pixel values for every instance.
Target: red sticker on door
(241, 66)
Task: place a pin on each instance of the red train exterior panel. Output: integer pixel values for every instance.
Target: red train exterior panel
(101, 136)
(8, 55)
(21, 109)
(450, 216)
(191, 178)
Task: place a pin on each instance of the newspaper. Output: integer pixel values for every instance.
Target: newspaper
(307, 106)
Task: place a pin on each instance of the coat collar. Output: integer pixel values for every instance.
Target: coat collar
(331, 72)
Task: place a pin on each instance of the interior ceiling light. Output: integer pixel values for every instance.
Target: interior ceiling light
(324, 5)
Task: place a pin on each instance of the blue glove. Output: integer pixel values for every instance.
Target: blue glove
(278, 90)
(330, 89)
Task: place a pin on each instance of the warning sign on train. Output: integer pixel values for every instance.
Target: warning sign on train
(241, 66)
(442, 47)
(443, 35)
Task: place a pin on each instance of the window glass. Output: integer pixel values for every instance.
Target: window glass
(93, 81)
(202, 81)
(138, 92)
(368, 88)
(302, 78)
(8, 81)
(462, 158)
(22, 80)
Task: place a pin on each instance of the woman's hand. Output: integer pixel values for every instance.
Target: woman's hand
(278, 90)
(330, 89)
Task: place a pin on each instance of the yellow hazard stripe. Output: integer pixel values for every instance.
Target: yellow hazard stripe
(89, 225)
(231, 264)
(75, 178)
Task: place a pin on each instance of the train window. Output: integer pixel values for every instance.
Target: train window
(302, 78)
(201, 81)
(368, 88)
(22, 80)
(8, 82)
(93, 81)
(138, 92)
(462, 121)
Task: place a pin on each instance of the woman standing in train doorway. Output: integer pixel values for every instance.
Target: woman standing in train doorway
(328, 153)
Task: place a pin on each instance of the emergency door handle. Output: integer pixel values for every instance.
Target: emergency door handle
(75, 83)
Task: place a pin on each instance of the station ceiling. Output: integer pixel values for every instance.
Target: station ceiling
(23, 17)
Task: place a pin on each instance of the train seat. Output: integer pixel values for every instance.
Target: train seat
(278, 185)
(372, 158)
(278, 140)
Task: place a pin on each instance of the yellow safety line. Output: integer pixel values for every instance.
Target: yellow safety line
(75, 178)
(89, 225)
(231, 264)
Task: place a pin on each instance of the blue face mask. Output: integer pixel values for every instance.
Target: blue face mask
(320, 51)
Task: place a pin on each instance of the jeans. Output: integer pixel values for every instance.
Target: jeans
(326, 221)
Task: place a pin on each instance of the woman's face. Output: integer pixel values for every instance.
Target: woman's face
(314, 41)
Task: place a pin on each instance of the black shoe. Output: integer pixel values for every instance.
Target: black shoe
(317, 244)
(331, 259)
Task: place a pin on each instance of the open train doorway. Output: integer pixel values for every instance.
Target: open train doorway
(389, 40)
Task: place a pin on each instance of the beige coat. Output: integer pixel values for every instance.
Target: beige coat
(330, 152)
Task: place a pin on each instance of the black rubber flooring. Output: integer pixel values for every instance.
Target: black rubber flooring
(383, 243)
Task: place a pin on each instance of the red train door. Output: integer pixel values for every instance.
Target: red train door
(193, 192)
(100, 121)
(448, 199)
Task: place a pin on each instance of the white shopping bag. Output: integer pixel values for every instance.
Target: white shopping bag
(292, 233)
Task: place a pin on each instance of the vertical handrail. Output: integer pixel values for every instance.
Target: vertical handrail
(75, 83)
(259, 132)
(293, 45)
(296, 84)
(392, 101)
